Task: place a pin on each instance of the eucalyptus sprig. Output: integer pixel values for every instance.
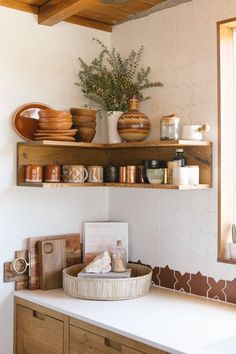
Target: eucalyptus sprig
(109, 81)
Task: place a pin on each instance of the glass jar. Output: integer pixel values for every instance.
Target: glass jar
(170, 128)
(119, 258)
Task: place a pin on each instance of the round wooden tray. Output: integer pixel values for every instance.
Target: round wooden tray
(107, 289)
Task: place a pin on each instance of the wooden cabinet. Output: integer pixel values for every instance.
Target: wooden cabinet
(66, 153)
(89, 339)
(39, 330)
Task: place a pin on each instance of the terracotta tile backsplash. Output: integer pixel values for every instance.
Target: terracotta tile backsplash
(196, 284)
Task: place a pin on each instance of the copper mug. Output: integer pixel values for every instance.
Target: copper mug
(34, 173)
(74, 173)
(52, 173)
(95, 174)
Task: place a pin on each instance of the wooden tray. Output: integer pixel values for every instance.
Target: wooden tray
(107, 289)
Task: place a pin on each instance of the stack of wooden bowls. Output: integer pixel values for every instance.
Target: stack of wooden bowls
(85, 121)
(55, 125)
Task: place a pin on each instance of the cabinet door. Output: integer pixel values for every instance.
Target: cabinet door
(86, 342)
(37, 333)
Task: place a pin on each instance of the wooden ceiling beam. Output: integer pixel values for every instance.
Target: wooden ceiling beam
(17, 5)
(52, 13)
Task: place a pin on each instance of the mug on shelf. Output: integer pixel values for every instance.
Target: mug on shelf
(52, 173)
(34, 173)
(95, 174)
(180, 175)
(74, 173)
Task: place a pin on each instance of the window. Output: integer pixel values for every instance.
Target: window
(226, 136)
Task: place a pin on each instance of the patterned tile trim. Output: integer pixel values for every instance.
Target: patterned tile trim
(196, 284)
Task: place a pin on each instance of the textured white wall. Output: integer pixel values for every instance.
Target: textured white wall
(38, 63)
(178, 228)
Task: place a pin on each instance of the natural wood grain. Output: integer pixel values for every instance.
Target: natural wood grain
(78, 20)
(21, 280)
(73, 254)
(37, 333)
(18, 5)
(89, 339)
(50, 13)
(52, 260)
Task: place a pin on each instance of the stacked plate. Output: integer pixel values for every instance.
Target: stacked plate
(55, 125)
(85, 121)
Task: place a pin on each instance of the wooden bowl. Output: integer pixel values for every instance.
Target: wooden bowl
(55, 126)
(83, 111)
(86, 125)
(83, 119)
(86, 135)
(55, 120)
(44, 113)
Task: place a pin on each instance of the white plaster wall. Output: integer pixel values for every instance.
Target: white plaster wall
(38, 63)
(178, 228)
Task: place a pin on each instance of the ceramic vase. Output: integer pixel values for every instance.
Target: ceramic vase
(133, 125)
(112, 119)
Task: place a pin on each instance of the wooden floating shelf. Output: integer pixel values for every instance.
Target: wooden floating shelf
(119, 185)
(47, 152)
(137, 145)
(226, 260)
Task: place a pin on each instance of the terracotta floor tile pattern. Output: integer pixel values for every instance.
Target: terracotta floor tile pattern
(196, 284)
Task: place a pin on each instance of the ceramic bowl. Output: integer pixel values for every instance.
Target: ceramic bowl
(83, 111)
(44, 113)
(155, 176)
(56, 126)
(86, 134)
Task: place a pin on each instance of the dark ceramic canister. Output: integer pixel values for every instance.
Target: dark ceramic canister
(151, 164)
(111, 174)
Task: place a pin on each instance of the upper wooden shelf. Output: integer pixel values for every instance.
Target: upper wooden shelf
(137, 145)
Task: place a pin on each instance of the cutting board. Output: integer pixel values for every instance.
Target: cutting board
(52, 260)
(73, 254)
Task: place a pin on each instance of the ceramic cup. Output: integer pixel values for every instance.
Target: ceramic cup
(74, 173)
(111, 174)
(95, 174)
(180, 176)
(34, 173)
(52, 173)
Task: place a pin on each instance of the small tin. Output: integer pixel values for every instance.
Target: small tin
(52, 173)
(34, 173)
(139, 174)
(122, 174)
(111, 174)
(131, 174)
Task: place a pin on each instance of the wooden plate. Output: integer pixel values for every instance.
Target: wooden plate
(55, 138)
(56, 134)
(25, 120)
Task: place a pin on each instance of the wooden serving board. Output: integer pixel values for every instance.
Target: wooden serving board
(73, 255)
(52, 260)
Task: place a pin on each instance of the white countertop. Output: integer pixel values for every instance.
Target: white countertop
(168, 320)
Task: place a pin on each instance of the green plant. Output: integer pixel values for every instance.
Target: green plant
(110, 80)
(234, 233)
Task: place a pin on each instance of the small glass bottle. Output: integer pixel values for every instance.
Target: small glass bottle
(179, 156)
(119, 258)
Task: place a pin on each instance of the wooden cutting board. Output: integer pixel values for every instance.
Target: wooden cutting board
(73, 254)
(52, 260)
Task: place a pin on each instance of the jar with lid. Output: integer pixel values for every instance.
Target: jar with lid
(170, 128)
(180, 158)
(119, 258)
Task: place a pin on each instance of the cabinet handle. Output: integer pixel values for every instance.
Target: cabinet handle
(38, 315)
(112, 344)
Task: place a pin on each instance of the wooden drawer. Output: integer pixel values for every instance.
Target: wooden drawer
(37, 333)
(89, 339)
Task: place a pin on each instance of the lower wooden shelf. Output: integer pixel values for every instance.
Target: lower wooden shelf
(119, 185)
